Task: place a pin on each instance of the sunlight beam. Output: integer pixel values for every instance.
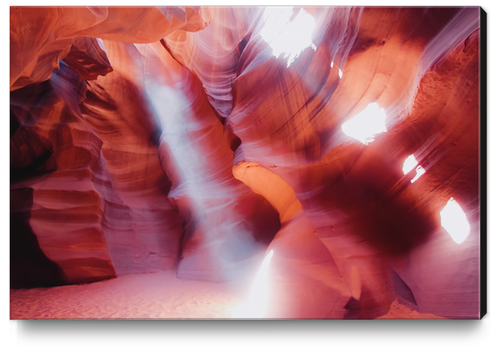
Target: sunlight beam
(257, 302)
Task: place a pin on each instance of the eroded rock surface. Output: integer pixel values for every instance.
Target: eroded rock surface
(144, 139)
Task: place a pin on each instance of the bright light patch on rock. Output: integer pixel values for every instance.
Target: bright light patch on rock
(256, 304)
(285, 35)
(409, 164)
(453, 219)
(366, 124)
(420, 171)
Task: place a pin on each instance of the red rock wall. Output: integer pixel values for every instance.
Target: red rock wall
(66, 173)
(135, 148)
(99, 210)
(129, 221)
(41, 36)
(143, 228)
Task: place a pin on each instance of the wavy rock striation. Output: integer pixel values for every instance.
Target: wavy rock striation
(144, 139)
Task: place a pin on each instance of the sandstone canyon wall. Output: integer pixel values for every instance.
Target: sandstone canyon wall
(146, 139)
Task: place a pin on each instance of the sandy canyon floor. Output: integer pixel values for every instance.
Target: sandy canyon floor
(158, 295)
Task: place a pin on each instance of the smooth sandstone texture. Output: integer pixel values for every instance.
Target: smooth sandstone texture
(41, 36)
(148, 139)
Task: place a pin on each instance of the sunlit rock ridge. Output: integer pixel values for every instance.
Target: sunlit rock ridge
(198, 138)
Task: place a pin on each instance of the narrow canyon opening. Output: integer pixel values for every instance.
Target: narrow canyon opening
(245, 163)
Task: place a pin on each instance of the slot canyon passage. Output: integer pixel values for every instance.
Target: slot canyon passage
(244, 162)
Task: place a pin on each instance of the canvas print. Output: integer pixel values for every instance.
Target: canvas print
(279, 162)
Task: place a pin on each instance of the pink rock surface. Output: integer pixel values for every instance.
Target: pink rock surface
(41, 36)
(67, 175)
(177, 138)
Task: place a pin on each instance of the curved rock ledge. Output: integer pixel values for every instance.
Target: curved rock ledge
(153, 138)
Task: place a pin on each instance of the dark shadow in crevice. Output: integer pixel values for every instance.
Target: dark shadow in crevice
(29, 266)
